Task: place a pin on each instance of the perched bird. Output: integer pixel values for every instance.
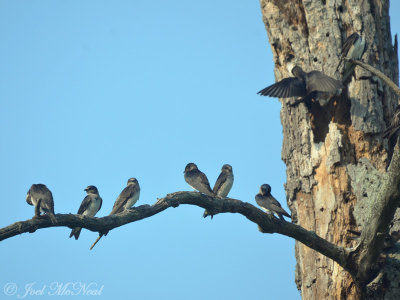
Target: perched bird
(302, 85)
(224, 182)
(128, 197)
(353, 48)
(394, 124)
(41, 197)
(90, 205)
(268, 203)
(197, 179)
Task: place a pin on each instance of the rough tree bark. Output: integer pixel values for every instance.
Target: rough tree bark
(334, 161)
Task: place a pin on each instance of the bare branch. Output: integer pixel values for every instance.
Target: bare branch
(266, 223)
(383, 208)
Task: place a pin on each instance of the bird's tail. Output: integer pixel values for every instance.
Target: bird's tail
(98, 239)
(75, 232)
(339, 64)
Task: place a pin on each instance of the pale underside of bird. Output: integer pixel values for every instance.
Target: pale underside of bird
(126, 199)
(90, 205)
(42, 198)
(353, 48)
(224, 182)
(269, 204)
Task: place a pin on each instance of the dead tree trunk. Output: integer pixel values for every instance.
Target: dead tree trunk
(330, 152)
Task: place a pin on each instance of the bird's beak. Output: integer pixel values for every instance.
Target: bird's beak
(85, 190)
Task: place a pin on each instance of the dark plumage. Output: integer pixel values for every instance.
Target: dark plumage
(353, 48)
(302, 85)
(268, 203)
(41, 197)
(224, 182)
(197, 179)
(126, 199)
(90, 205)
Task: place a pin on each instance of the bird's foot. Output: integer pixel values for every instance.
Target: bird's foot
(207, 213)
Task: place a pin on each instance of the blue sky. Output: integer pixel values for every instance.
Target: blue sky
(95, 92)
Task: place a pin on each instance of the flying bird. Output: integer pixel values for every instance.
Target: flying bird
(41, 197)
(128, 197)
(224, 182)
(268, 203)
(90, 205)
(394, 124)
(353, 48)
(197, 179)
(302, 85)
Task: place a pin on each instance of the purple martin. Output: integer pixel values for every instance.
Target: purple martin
(197, 179)
(90, 205)
(41, 197)
(302, 85)
(268, 203)
(128, 197)
(394, 124)
(224, 182)
(353, 48)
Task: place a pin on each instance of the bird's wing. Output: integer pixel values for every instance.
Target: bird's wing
(101, 203)
(126, 193)
(85, 204)
(198, 180)
(317, 81)
(29, 199)
(270, 203)
(261, 201)
(204, 181)
(288, 87)
(348, 43)
(220, 181)
(276, 206)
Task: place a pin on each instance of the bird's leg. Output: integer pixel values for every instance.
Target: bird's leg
(207, 213)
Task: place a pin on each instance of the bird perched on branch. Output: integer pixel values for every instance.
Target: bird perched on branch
(41, 197)
(128, 197)
(90, 205)
(302, 85)
(197, 179)
(224, 182)
(353, 48)
(268, 203)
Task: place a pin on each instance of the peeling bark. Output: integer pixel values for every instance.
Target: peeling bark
(323, 145)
